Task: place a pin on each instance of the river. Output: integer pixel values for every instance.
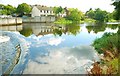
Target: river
(48, 48)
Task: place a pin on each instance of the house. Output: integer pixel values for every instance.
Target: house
(40, 10)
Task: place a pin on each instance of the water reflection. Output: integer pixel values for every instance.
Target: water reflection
(60, 49)
(64, 60)
(101, 27)
(45, 28)
(73, 29)
(11, 28)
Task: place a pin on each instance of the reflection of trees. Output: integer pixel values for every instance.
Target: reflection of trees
(69, 29)
(100, 27)
(57, 32)
(73, 29)
(26, 31)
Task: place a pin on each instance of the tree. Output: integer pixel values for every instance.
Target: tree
(23, 9)
(117, 10)
(100, 15)
(74, 15)
(90, 13)
(8, 10)
(58, 10)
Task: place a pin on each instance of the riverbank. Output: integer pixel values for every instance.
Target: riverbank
(107, 48)
(65, 21)
(10, 21)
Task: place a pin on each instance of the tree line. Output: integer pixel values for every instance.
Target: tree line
(19, 11)
(72, 14)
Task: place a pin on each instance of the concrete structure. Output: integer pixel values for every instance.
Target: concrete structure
(39, 10)
(10, 21)
(42, 19)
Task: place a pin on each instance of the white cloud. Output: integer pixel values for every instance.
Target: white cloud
(55, 41)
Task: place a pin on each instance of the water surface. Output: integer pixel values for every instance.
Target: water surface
(59, 49)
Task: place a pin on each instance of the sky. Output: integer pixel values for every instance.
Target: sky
(83, 5)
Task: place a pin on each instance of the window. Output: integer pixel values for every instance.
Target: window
(47, 11)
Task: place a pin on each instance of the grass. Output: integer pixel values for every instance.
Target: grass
(89, 20)
(109, 41)
(63, 21)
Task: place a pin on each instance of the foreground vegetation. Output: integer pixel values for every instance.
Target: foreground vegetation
(107, 48)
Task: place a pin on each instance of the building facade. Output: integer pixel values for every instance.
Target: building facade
(39, 10)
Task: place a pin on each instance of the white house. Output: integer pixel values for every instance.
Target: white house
(39, 10)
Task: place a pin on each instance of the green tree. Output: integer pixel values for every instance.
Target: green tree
(100, 15)
(23, 9)
(117, 10)
(1, 7)
(8, 10)
(90, 13)
(58, 10)
(74, 15)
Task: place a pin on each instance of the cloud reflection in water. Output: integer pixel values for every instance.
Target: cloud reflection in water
(62, 61)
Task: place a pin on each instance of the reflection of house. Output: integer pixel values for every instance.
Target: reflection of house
(41, 28)
(39, 10)
(44, 30)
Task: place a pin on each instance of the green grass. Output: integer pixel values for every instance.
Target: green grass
(63, 21)
(89, 20)
(112, 20)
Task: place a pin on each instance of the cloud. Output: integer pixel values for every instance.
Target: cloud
(62, 61)
(55, 41)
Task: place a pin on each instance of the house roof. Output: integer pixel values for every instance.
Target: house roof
(41, 7)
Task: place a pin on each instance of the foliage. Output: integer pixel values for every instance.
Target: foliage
(99, 15)
(108, 41)
(90, 20)
(58, 10)
(100, 27)
(63, 21)
(90, 13)
(23, 9)
(8, 9)
(74, 15)
(108, 45)
(69, 29)
(26, 33)
(73, 29)
(117, 10)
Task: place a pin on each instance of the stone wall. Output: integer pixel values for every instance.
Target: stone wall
(39, 19)
(10, 21)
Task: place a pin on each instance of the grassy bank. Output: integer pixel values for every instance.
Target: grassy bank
(89, 20)
(107, 48)
(65, 21)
